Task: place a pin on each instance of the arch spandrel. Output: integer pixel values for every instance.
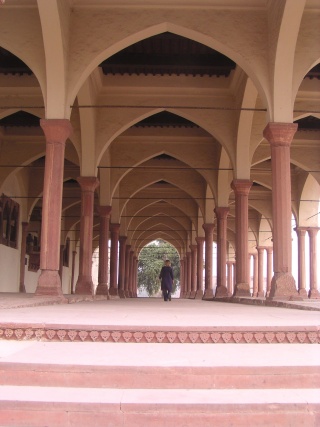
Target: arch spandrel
(131, 186)
(307, 53)
(160, 211)
(237, 34)
(308, 213)
(113, 123)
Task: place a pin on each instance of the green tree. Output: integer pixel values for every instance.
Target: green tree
(151, 260)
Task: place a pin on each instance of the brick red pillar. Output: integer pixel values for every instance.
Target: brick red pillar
(208, 231)
(114, 229)
(255, 275)
(122, 264)
(56, 132)
(24, 231)
(221, 214)
(182, 278)
(200, 241)
(134, 276)
(301, 234)
(280, 136)
(74, 253)
(269, 269)
(193, 271)
(260, 250)
(313, 293)
(241, 188)
(104, 214)
(188, 281)
(230, 277)
(84, 284)
(127, 271)
(131, 273)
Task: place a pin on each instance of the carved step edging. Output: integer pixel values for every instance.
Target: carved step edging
(310, 336)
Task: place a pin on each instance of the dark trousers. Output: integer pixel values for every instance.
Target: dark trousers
(166, 295)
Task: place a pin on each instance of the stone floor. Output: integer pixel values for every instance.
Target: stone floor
(146, 362)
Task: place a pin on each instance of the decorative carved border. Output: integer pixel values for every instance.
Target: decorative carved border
(131, 336)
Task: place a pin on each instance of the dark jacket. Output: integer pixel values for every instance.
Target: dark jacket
(166, 276)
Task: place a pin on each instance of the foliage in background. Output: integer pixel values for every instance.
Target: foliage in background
(151, 260)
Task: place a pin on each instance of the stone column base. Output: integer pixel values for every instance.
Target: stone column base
(222, 292)
(303, 293)
(22, 288)
(49, 284)
(182, 295)
(208, 294)
(260, 294)
(113, 292)
(314, 294)
(122, 293)
(84, 286)
(192, 294)
(242, 290)
(102, 289)
(283, 287)
(199, 294)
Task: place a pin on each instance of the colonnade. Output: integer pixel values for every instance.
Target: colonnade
(123, 271)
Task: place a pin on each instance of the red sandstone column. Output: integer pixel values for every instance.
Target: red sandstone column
(255, 275)
(269, 270)
(182, 278)
(131, 273)
(260, 271)
(301, 233)
(200, 241)
(127, 271)
(122, 263)
(188, 258)
(249, 270)
(84, 284)
(134, 278)
(56, 132)
(208, 230)
(24, 231)
(115, 229)
(241, 188)
(313, 293)
(229, 277)
(193, 271)
(104, 213)
(221, 214)
(61, 262)
(234, 274)
(74, 253)
(280, 136)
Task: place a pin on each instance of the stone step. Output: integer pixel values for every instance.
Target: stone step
(159, 377)
(63, 406)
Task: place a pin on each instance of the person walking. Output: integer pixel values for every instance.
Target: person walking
(166, 277)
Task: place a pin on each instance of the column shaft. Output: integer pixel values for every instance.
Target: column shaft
(301, 234)
(122, 264)
(127, 272)
(261, 250)
(193, 271)
(200, 241)
(269, 270)
(241, 189)
(221, 214)
(84, 284)
(280, 136)
(313, 293)
(104, 213)
(56, 132)
(115, 229)
(24, 231)
(208, 230)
